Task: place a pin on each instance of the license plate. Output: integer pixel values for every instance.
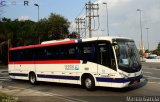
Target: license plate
(135, 82)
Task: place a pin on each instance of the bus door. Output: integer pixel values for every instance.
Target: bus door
(103, 64)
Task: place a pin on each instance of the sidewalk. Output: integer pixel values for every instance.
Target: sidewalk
(3, 73)
(24, 95)
(28, 95)
(152, 60)
(3, 67)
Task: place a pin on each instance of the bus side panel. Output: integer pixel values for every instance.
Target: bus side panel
(20, 71)
(45, 72)
(56, 73)
(25, 69)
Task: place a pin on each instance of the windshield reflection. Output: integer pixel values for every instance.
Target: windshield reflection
(127, 56)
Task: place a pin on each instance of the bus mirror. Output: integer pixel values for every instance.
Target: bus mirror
(114, 43)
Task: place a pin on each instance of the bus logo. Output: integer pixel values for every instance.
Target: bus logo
(76, 67)
(2, 3)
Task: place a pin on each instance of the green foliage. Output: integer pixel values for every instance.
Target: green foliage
(58, 27)
(158, 48)
(157, 51)
(73, 35)
(28, 32)
(147, 51)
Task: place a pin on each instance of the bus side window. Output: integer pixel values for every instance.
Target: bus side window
(28, 54)
(13, 56)
(72, 52)
(51, 53)
(20, 55)
(17, 55)
(88, 52)
(40, 54)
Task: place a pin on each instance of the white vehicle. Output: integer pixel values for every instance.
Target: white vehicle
(98, 61)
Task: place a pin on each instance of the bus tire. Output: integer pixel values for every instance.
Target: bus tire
(89, 83)
(32, 78)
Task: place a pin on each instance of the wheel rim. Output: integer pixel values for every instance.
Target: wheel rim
(88, 83)
(32, 79)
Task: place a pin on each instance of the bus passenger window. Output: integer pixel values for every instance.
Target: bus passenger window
(72, 53)
(89, 52)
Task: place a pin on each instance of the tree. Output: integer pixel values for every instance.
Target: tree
(147, 51)
(42, 29)
(58, 27)
(158, 47)
(73, 35)
(19, 33)
(26, 33)
(157, 51)
(53, 28)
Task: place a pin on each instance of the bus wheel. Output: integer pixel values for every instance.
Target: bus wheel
(32, 78)
(89, 83)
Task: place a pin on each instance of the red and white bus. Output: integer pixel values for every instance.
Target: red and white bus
(98, 61)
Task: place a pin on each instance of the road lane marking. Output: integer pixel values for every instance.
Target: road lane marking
(4, 78)
(151, 77)
(151, 82)
(65, 97)
(147, 72)
(151, 69)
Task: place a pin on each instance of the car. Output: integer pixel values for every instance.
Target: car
(152, 56)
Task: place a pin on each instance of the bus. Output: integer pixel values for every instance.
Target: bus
(98, 61)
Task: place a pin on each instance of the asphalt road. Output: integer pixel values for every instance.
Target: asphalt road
(72, 93)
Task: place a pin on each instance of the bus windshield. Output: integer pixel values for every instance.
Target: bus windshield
(127, 56)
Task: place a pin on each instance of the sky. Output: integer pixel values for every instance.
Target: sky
(124, 19)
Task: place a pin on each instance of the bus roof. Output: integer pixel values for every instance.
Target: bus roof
(43, 45)
(66, 41)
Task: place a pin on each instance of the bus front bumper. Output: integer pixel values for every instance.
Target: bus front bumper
(136, 82)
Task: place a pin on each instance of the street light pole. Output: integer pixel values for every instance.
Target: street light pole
(107, 17)
(139, 10)
(142, 47)
(147, 38)
(38, 10)
(39, 39)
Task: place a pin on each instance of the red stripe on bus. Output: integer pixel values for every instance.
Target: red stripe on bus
(43, 45)
(47, 62)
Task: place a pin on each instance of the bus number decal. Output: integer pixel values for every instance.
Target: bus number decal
(71, 67)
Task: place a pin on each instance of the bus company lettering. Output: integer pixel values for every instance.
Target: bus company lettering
(71, 67)
(26, 3)
(13, 2)
(2, 3)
